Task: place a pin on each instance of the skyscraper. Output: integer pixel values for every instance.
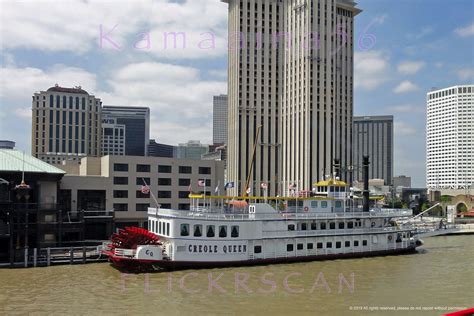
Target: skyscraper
(373, 137)
(65, 124)
(160, 150)
(219, 132)
(113, 137)
(449, 138)
(291, 72)
(137, 126)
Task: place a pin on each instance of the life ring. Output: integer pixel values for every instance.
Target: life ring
(306, 209)
(390, 237)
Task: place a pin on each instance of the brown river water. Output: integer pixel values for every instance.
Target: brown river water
(436, 280)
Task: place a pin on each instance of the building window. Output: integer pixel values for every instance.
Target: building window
(183, 194)
(121, 180)
(141, 195)
(313, 226)
(210, 231)
(309, 246)
(356, 243)
(350, 225)
(289, 247)
(142, 207)
(185, 169)
(197, 230)
(338, 244)
(164, 194)
(234, 232)
(319, 245)
(341, 225)
(165, 205)
(164, 169)
(143, 181)
(257, 249)
(120, 167)
(204, 170)
(329, 245)
(184, 206)
(323, 225)
(324, 204)
(332, 225)
(120, 207)
(222, 231)
(184, 182)
(291, 227)
(364, 242)
(347, 244)
(184, 229)
(143, 168)
(120, 194)
(299, 246)
(164, 181)
(304, 226)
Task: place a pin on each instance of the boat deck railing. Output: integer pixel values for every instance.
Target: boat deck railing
(244, 215)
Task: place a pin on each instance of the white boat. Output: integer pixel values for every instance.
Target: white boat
(224, 231)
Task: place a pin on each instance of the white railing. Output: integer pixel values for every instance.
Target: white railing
(330, 232)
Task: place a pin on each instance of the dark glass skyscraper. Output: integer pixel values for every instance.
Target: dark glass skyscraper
(137, 126)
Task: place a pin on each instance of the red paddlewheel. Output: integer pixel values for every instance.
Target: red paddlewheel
(132, 237)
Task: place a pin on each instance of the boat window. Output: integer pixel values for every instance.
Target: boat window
(168, 229)
(159, 227)
(338, 204)
(299, 246)
(329, 245)
(319, 245)
(332, 225)
(350, 225)
(289, 247)
(197, 230)
(234, 232)
(210, 231)
(323, 225)
(338, 244)
(314, 204)
(324, 204)
(341, 225)
(347, 244)
(356, 243)
(222, 231)
(304, 226)
(313, 226)
(291, 227)
(184, 229)
(309, 246)
(364, 242)
(257, 249)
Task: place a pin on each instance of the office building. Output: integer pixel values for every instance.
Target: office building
(7, 144)
(402, 182)
(115, 182)
(219, 125)
(161, 150)
(137, 126)
(373, 137)
(113, 137)
(66, 124)
(449, 138)
(193, 149)
(294, 81)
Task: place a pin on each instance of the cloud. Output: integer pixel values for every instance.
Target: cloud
(407, 108)
(405, 87)
(465, 31)
(410, 67)
(466, 74)
(23, 82)
(370, 69)
(121, 24)
(403, 129)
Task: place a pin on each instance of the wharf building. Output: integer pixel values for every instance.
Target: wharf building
(450, 140)
(66, 125)
(290, 72)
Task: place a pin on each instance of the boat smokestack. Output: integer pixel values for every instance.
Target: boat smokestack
(337, 168)
(365, 171)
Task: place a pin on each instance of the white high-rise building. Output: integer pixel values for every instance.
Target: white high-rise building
(291, 72)
(450, 138)
(219, 133)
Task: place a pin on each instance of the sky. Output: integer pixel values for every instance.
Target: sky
(116, 51)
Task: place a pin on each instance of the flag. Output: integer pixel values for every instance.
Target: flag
(264, 185)
(292, 186)
(145, 189)
(249, 190)
(229, 185)
(216, 190)
(201, 183)
(190, 189)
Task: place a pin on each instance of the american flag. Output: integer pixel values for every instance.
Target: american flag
(145, 189)
(249, 190)
(292, 186)
(201, 183)
(229, 185)
(264, 185)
